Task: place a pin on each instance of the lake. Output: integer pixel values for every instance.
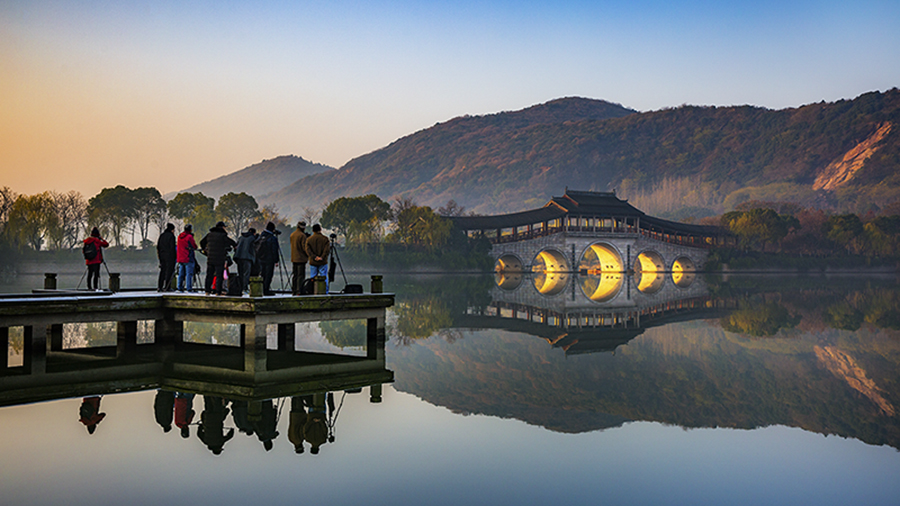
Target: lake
(522, 390)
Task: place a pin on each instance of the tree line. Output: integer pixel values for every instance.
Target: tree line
(59, 221)
(768, 227)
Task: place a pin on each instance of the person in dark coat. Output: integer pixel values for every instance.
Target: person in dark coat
(166, 252)
(298, 420)
(265, 426)
(298, 257)
(90, 413)
(318, 247)
(164, 408)
(93, 264)
(245, 256)
(212, 424)
(216, 244)
(267, 254)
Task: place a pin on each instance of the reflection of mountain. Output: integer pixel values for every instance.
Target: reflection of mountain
(673, 370)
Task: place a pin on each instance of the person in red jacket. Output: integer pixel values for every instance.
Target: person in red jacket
(184, 255)
(94, 258)
(90, 413)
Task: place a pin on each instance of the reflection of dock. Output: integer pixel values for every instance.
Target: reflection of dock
(578, 325)
(250, 371)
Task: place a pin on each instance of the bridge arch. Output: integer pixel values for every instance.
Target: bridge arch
(550, 269)
(602, 287)
(509, 263)
(683, 270)
(601, 257)
(649, 261)
(649, 281)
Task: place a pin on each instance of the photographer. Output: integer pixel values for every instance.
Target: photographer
(317, 249)
(267, 254)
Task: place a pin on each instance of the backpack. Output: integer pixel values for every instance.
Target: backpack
(89, 250)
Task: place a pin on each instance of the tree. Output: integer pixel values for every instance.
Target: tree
(420, 226)
(112, 210)
(30, 218)
(845, 230)
(193, 208)
(758, 227)
(237, 209)
(451, 208)
(353, 217)
(70, 217)
(148, 207)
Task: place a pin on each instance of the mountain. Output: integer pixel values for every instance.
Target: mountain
(260, 178)
(424, 165)
(839, 155)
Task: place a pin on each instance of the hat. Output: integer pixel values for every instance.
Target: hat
(301, 224)
(220, 224)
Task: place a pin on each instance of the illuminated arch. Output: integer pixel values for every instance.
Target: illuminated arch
(649, 261)
(508, 280)
(649, 281)
(508, 263)
(602, 287)
(601, 258)
(683, 272)
(550, 272)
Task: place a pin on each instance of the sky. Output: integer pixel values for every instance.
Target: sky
(170, 94)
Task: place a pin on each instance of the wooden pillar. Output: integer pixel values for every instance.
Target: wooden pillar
(253, 340)
(286, 333)
(377, 284)
(126, 338)
(56, 337)
(49, 281)
(375, 393)
(375, 337)
(35, 349)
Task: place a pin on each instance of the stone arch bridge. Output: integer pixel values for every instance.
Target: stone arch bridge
(592, 233)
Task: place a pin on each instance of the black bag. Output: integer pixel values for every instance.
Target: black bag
(89, 250)
(352, 289)
(235, 287)
(308, 287)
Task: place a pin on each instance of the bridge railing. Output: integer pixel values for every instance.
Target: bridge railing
(682, 240)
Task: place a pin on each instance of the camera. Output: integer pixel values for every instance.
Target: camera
(333, 236)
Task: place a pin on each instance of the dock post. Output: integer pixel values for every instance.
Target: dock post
(35, 349)
(56, 337)
(115, 282)
(377, 284)
(286, 334)
(375, 393)
(4, 344)
(168, 331)
(320, 286)
(126, 338)
(49, 281)
(253, 340)
(375, 337)
(256, 286)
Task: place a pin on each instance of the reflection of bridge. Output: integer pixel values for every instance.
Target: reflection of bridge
(250, 371)
(574, 322)
(594, 233)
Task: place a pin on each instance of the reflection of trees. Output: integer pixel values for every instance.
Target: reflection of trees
(420, 319)
(760, 319)
(79, 335)
(344, 333)
(216, 333)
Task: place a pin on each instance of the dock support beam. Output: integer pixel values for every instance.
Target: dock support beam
(4, 344)
(375, 337)
(286, 334)
(253, 340)
(126, 338)
(35, 349)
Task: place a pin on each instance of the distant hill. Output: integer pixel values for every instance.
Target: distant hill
(841, 155)
(260, 178)
(423, 164)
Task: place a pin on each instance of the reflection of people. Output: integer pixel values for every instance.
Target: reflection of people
(184, 412)
(298, 420)
(163, 406)
(316, 428)
(90, 413)
(212, 424)
(240, 416)
(265, 424)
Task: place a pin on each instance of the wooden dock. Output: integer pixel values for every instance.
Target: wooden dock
(250, 371)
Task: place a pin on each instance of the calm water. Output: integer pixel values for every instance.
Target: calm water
(750, 390)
